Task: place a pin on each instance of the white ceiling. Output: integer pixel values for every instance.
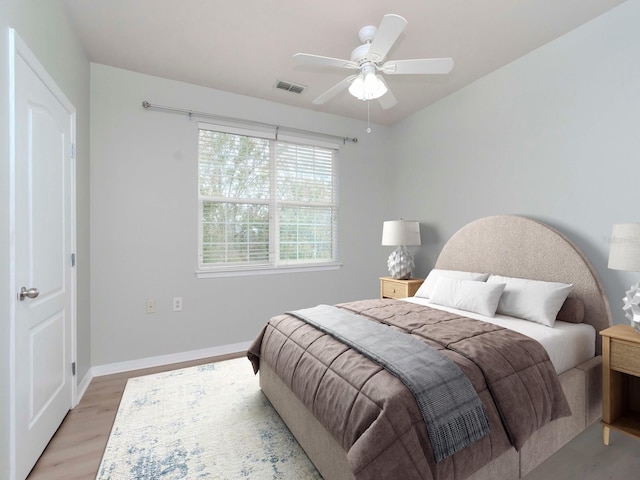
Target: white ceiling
(246, 46)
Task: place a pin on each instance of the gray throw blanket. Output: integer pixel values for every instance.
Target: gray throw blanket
(452, 411)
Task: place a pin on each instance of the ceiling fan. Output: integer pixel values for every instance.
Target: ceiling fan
(368, 60)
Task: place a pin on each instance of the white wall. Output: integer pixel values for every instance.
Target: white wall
(553, 136)
(144, 221)
(46, 29)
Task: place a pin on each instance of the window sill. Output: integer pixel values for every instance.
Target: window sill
(237, 272)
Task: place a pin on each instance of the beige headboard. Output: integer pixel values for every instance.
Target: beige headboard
(520, 247)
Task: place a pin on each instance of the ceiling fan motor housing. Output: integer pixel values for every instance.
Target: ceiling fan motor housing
(366, 34)
(360, 53)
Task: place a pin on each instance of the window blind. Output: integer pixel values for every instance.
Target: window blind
(265, 202)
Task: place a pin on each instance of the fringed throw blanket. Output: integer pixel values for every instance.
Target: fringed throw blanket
(373, 415)
(450, 406)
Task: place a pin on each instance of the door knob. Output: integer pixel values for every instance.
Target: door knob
(31, 293)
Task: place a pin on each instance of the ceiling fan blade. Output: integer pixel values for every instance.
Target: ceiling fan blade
(418, 66)
(321, 61)
(388, 100)
(388, 32)
(333, 91)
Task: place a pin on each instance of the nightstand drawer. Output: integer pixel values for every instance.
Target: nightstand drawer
(394, 290)
(625, 357)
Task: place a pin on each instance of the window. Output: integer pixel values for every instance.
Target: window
(264, 203)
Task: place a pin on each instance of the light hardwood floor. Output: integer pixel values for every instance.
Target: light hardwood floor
(76, 450)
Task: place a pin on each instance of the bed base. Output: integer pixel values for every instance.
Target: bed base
(582, 386)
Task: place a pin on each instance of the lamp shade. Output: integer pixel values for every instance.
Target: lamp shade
(624, 253)
(400, 232)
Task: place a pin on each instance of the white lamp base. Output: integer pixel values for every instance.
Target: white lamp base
(631, 306)
(400, 263)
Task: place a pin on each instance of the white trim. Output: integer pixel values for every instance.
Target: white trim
(74, 268)
(12, 252)
(238, 272)
(30, 59)
(83, 385)
(127, 366)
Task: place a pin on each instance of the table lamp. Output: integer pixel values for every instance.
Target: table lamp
(400, 233)
(624, 254)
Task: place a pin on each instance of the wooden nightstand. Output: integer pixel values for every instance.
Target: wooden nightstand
(620, 382)
(394, 288)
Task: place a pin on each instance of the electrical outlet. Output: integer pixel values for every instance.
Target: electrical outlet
(177, 304)
(151, 306)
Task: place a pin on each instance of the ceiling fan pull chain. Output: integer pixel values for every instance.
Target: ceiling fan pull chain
(368, 114)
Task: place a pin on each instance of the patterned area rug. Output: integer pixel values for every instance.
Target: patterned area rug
(206, 422)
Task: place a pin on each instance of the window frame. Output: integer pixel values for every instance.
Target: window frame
(273, 265)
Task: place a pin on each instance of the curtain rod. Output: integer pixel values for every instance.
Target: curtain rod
(191, 113)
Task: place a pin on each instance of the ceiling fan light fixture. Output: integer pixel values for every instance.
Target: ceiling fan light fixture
(357, 87)
(380, 87)
(367, 86)
(370, 84)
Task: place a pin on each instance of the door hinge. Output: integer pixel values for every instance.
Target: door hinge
(73, 150)
(73, 368)
(73, 259)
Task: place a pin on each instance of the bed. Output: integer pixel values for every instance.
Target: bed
(507, 246)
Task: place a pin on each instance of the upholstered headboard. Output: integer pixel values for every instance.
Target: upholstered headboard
(520, 247)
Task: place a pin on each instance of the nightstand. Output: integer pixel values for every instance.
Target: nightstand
(394, 288)
(620, 381)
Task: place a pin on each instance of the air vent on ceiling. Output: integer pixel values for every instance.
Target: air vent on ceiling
(290, 87)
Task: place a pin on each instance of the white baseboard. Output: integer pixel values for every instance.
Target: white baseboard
(83, 385)
(99, 370)
(149, 362)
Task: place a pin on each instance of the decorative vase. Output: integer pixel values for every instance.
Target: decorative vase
(631, 306)
(400, 263)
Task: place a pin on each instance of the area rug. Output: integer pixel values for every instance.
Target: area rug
(205, 422)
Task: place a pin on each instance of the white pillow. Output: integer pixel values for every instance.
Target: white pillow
(468, 295)
(430, 282)
(532, 300)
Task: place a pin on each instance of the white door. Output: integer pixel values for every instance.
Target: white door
(43, 121)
